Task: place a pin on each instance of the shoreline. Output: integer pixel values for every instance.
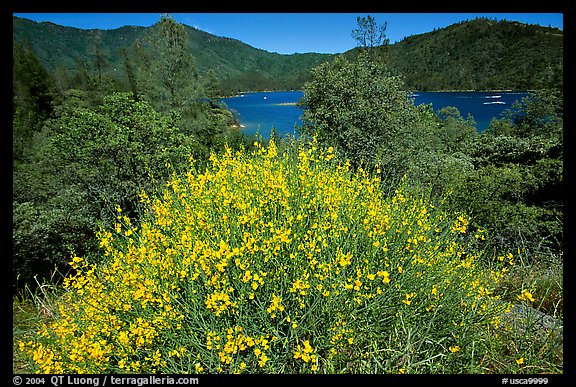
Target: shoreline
(471, 91)
(240, 93)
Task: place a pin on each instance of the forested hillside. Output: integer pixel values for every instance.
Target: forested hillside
(472, 55)
(239, 66)
(481, 54)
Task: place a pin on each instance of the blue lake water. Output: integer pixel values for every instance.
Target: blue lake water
(259, 112)
(483, 106)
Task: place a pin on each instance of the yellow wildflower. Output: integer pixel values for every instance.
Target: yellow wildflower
(454, 348)
(525, 296)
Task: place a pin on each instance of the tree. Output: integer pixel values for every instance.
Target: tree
(516, 187)
(170, 82)
(91, 160)
(131, 71)
(32, 98)
(212, 84)
(369, 34)
(359, 107)
(371, 37)
(454, 131)
(100, 63)
(170, 79)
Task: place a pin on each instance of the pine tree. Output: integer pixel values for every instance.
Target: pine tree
(170, 80)
(32, 96)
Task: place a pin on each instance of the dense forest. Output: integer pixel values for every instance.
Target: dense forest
(122, 152)
(479, 54)
(236, 65)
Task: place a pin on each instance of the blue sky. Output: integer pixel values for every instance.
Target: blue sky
(287, 33)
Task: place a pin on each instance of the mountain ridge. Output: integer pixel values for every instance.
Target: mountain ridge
(480, 54)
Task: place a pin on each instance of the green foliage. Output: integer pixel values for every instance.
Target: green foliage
(43, 234)
(519, 186)
(32, 99)
(358, 106)
(164, 74)
(90, 160)
(513, 180)
(537, 116)
(509, 178)
(455, 133)
(238, 66)
(81, 147)
(212, 84)
(497, 197)
(124, 140)
(169, 79)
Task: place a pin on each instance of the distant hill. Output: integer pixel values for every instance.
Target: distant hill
(481, 54)
(240, 66)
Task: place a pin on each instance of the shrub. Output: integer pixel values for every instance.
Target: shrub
(277, 263)
(88, 159)
(361, 108)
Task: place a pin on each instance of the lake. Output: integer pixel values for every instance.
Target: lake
(259, 112)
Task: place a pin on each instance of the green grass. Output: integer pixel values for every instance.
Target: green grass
(503, 347)
(31, 309)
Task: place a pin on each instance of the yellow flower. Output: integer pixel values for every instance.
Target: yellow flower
(408, 298)
(357, 285)
(520, 361)
(304, 353)
(123, 337)
(460, 225)
(344, 259)
(385, 275)
(275, 305)
(210, 245)
(263, 360)
(525, 296)
(454, 349)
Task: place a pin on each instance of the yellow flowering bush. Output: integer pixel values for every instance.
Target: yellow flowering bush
(270, 262)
